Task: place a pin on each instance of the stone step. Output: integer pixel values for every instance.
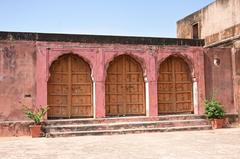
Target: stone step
(122, 119)
(125, 125)
(127, 131)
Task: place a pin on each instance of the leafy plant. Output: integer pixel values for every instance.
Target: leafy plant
(213, 109)
(35, 114)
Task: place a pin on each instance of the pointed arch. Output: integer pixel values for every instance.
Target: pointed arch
(175, 86)
(188, 60)
(124, 87)
(70, 88)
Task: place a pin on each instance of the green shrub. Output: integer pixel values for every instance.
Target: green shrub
(36, 114)
(213, 109)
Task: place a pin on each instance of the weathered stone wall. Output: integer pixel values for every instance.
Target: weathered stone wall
(218, 21)
(184, 26)
(15, 128)
(236, 74)
(220, 27)
(219, 16)
(17, 78)
(219, 78)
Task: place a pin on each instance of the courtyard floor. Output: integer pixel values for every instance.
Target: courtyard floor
(212, 144)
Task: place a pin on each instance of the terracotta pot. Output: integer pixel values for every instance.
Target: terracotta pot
(217, 123)
(36, 130)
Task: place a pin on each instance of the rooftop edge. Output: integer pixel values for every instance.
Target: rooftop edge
(102, 39)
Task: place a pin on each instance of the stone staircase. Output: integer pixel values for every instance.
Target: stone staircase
(124, 125)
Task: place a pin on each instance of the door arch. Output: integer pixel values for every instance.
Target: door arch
(70, 88)
(175, 87)
(124, 88)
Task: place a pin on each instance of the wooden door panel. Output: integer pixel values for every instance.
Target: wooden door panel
(58, 100)
(185, 106)
(134, 109)
(174, 87)
(57, 111)
(59, 78)
(112, 78)
(58, 89)
(124, 88)
(134, 99)
(165, 107)
(84, 110)
(165, 87)
(112, 110)
(77, 78)
(166, 77)
(78, 89)
(113, 89)
(181, 77)
(70, 88)
(81, 88)
(183, 87)
(58, 106)
(132, 77)
(113, 99)
(166, 97)
(80, 100)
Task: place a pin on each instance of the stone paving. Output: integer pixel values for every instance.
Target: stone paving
(211, 144)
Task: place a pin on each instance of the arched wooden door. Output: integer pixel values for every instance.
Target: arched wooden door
(124, 88)
(70, 88)
(174, 87)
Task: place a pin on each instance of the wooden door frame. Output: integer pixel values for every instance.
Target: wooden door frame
(69, 82)
(191, 67)
(145, 81)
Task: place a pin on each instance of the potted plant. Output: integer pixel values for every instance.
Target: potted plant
(36, 115)
(214, 112)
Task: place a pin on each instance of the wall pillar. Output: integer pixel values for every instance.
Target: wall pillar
(195, 97)
(152, 86)
(99, 85)
(99, 99)
(153, 99)
(41, 78)
(147, 97)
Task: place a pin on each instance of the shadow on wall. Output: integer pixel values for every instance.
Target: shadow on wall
(237, 61)
(208, 76)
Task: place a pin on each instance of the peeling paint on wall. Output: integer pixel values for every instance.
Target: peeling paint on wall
(17, 78)
(9, 57)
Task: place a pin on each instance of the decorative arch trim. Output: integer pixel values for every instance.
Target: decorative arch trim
(188, 60)
(136, 58)
(59, 55)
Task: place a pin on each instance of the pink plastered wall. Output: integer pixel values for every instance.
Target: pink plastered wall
(98, 57)
(17, 78)
(24, 71)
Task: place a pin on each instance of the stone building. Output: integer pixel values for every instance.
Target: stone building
(219, 25)
(90, 76)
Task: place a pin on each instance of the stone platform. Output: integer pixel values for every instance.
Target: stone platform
(124, 125)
